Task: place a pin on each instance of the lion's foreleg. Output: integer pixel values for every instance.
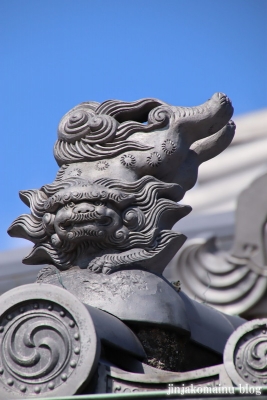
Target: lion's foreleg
(111, 262)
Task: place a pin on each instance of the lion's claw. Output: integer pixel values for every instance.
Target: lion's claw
(99, 265)
(106, 270)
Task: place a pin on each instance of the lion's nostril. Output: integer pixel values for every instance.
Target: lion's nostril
(83, 208)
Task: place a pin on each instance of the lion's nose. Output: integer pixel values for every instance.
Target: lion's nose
(83, 208)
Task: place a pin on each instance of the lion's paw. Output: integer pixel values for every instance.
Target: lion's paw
(100, 265)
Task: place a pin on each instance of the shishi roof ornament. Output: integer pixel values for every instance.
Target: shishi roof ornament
(123, 168)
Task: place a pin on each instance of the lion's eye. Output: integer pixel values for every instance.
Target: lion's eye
(69, 205)
(99, 203)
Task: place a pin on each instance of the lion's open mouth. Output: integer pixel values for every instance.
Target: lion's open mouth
(69, 225)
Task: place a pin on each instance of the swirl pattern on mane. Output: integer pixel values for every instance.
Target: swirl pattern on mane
(83, 132)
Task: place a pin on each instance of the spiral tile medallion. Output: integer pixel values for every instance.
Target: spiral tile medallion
(245, 354)
(48, 344)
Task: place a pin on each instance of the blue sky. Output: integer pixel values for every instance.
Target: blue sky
(55, 54)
